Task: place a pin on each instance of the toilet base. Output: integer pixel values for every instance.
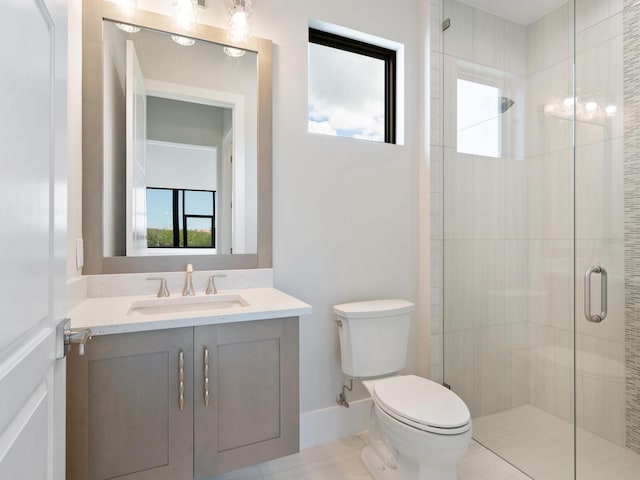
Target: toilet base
(379, 471)
(438, 455)
(376, 467)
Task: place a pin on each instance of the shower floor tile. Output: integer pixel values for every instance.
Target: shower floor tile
(542, 445)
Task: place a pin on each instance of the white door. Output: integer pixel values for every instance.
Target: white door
(136, 155)
(33, 142)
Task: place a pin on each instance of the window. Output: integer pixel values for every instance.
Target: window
(352, 88)
(478, 119)
(178, 218)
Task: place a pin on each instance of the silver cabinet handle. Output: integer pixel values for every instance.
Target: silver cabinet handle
(206, 377)
(587, 294)
(181, 381)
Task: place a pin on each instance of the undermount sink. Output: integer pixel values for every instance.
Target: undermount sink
(197, 304)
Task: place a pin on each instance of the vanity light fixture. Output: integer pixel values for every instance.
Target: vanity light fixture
(239, 25)
(591, 106)
(183, 41)
(125, 27)
(128, 6)
(184, 13)
(234, 52)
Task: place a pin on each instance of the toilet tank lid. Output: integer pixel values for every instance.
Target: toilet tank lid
(373, 308)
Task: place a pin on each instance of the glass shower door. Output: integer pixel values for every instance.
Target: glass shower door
(508, 217)
(607, 224)
(539, 147)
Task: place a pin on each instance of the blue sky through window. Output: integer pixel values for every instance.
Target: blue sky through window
(160, 207)
(346, 94)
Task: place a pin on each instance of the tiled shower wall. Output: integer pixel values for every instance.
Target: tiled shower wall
(479, 233)
(502, 229)
(632, 220)
(599, 220)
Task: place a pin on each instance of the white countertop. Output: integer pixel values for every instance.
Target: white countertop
(110, 315)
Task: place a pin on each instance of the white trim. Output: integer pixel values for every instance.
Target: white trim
(354, 34)
(332, 423)
(188, 146)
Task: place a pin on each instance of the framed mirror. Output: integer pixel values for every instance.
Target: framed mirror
(176, 145)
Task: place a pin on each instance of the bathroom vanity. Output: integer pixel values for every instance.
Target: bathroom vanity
(188, 393)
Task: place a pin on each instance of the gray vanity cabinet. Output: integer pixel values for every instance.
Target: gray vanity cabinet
(251, 412)
(125, 417)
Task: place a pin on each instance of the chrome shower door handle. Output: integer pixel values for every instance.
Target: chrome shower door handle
(587, 294)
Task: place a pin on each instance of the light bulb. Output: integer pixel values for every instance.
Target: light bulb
(234, 52)
(184, 13)
(125, 27)
(127, 5)
(239, 26)
(591, 106)
(611, 110)
(568, 102)
(183, 41)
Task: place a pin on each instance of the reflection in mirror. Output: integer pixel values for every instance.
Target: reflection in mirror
(180, 146)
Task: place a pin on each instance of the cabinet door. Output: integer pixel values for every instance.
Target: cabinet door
(253, 410)
(124, 418)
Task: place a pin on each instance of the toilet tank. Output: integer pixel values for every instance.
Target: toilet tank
(373, 336)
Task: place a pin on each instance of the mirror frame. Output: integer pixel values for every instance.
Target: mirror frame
(93, 14)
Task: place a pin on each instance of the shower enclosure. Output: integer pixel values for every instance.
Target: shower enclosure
(536, 249)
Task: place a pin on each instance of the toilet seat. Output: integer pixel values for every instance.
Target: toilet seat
(422, 404)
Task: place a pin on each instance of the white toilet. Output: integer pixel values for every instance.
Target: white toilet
(418, 429)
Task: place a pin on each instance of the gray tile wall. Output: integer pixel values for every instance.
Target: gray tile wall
(631, 43)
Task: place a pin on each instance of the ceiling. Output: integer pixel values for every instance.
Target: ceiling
(524, 12)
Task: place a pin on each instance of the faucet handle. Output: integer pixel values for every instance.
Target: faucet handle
(211, 287)
(164, 289)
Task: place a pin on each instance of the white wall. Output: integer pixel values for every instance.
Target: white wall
(345, 211)
(198, 166)
(74, 129)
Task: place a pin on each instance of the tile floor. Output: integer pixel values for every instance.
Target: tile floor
(340, 460)
(532, 439)
(542, 445)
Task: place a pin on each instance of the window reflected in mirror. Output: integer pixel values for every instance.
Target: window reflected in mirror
(180, 146)
(178, 218)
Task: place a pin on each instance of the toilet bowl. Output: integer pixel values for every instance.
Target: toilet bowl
(426, 426)
(418, 429)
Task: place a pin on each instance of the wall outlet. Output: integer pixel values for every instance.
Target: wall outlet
(79, 253)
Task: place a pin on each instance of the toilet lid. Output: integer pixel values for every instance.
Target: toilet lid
(421, 402)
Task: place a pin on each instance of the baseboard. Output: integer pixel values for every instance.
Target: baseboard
(331, 423)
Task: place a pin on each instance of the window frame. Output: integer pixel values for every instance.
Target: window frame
(178, 196)
(320, 37)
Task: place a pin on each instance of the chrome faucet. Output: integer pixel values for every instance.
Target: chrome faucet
(164, 289)
(211, 287)
(188, 289)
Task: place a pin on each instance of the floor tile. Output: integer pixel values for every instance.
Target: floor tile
(531, 439)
